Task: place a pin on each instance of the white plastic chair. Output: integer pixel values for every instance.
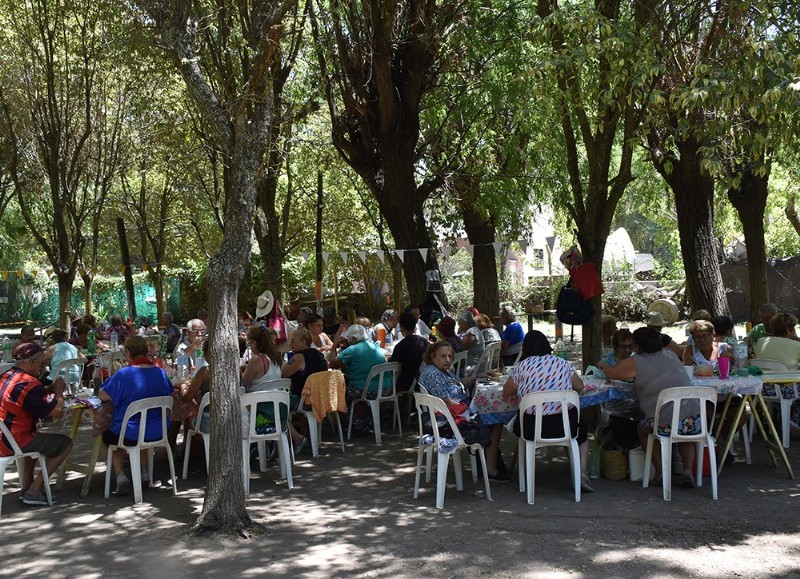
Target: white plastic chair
(72, 378)
(197, 430)
(432, 405)
(459, 363)
(322, 380)
(250, 402)
(20, 457)
(142, 407)
(489, 360)
(785, 404)
(675, 396)
(380, 371)
(107, 360)
(527, 459)
(278, 384)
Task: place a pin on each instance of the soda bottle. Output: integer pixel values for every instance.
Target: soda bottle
(91, 342)
(114, 337)
(6, 350)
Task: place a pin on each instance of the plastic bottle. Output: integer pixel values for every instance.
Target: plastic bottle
(91, 342)
(388, 340)
(740, 358)
(561, 350)
(6, 350)
(198, 358)
(114, 337)
(382, 336)
(183, 365)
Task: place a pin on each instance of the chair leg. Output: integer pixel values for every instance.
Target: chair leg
(314, 431)
(712, 463)
(575, 464)
(187, 450)
(485, 474)
(429, 464)
(698, 462)
(397, 414)
(338, 421)
(530, 468)
(136, 474)
(375, 408)
(747, 436)
(284, 442)
(420, 452)
(457, 469)
(648, 461)
(350, 423)
(666, 467)
(521, 464)
(786, 408)
(262, 455)
(46, 479)
(150, 460)
(171, 470)
(206, 443)
(109, 469)
(441, 477)
(246, 465)
(473, 466)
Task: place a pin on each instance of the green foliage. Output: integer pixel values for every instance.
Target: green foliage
(623, 301)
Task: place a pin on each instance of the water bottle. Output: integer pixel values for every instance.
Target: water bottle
(388, 340)
(740, 357)
(561, 350)
(6, 350)
(198, 358)
(114, 337)
(183, 365)
(91, 342)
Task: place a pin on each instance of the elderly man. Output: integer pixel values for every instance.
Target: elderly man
(196, 333)
(762, 330)
(388, 323)
(421, 328)
(23, 402)
(656, 321)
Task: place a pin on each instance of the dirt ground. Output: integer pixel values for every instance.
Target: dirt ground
(352, 514)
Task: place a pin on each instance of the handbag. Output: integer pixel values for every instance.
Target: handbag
(277, 322)
(572, 308)
(586, 280)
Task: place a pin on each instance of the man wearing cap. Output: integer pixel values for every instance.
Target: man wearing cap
(23, 402)
(357, 360)
(656, 321)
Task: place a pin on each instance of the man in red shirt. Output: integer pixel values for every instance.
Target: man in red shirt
(23, 402)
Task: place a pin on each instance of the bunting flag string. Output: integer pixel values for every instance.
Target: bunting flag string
(325, 256)
(470, 249)
(423, 252)
(344, 256)
(401, 254)
(498, 246)
(380, 255)
(363, 256)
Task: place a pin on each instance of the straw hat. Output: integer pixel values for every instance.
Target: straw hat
(264, 304)
(655, 320)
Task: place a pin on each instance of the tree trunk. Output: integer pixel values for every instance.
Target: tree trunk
(694, 202)
(88, 280)
(481, 233)
(268, 236)
(65, 299)
(750, 201)
(157, 277)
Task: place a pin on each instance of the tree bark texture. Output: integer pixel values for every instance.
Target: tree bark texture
(694, 202)
(750, 202)
(480, 229)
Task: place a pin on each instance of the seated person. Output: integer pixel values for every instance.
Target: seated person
(357, 360)
(187, 397)
(171, 330)
(319, 339)
(446, 330)
(138, 380)
(783, 345)
(116, 325)
(387, 324)
(408, 351)
(486, 326)
(23, 403)
(511, 338)
(471, 338)
(305, 361)
(62, 350)
(761, 330)
(657, 322)
(27, 335)
(723, 331)
(703, 349)
(622, 347)
(422, 328)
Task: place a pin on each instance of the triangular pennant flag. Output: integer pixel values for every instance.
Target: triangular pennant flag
(325, 256)
(35, 273)
(19, 275)
(470, 249)
(380, 255)
(523, 245)
(3, 275)
(423, 252)
(304, 255)
(344, 255)
(122, 269)
(144, 267)
(94, 271)
(445, 251)
(498, 246)
(49, 273)
(401, 254)
(363, 256)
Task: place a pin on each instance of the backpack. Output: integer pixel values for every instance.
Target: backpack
(571, 308)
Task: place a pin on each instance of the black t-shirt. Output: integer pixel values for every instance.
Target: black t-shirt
(315, 362)
(409, 352)
(665, 340)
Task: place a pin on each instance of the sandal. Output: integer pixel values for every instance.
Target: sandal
(586, 486)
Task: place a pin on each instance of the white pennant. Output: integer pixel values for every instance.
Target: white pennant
(498, 247)
(445, 251)
(363, 256)
(380, 255)
(523, 245)
(304, 255)
(325, 255)
(401, 254)
(344, 255)
(423, 251)
(470, 249)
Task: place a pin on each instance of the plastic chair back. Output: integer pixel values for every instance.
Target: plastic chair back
(432, 405)
(489, 360)
(272, 385)
(459, 363)
(143, 407)
(72, 372)
(537, 400)
(770, 365)
(677, 396)
(381, 371)
(249, 403)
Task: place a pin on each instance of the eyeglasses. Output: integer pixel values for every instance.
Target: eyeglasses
(701, 336)
(625, 346)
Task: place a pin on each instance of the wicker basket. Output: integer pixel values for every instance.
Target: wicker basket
(614, 464)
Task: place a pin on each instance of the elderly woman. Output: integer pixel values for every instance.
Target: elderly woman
(439, 381)
(138, 380)
(471, 338)
(783, 345)
(621, 347)
(703, 349)
(305, 361)
(539, 370)
(446, 328)
(655, 368)
(486, 326)
(319, 339)
(511, 338)
(357, 360)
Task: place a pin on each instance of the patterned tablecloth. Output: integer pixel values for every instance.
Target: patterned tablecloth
(488, 400)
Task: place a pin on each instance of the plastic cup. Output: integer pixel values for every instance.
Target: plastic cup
(724, 365)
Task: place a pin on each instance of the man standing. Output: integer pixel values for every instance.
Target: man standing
(23, 402)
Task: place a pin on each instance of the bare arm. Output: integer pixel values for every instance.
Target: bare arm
(509, 388)
(253, 370)
(688, 359)
(293, 366)
(576, 382)
(190, 390)
(625, 370)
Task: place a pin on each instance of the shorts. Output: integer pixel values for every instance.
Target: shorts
(688, 425)
(48, 444)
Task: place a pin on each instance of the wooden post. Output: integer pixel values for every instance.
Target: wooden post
(318, 242)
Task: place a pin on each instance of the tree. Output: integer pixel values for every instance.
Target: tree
(226, 54)
(58, 100)
(598, 69)
(379, 61)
